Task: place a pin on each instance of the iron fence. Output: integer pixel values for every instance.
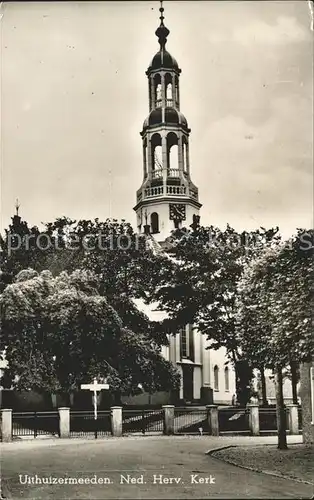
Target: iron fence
(233, 420)
(142, 421)
(190, 421)
(268, 419)
(34, 423)
(84, 424)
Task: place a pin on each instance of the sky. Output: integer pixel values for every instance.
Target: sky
(74, 96)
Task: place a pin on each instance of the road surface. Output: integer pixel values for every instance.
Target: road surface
(143, 467)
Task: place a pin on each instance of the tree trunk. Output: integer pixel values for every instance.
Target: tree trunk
(280, 410)
(294, 381)
(264, 391)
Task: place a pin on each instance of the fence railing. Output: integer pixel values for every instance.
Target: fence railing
(35, 424)
(83, 424)
(268, 419)
(234, 420)
(142, 421)
(209, 420)
(190, 421)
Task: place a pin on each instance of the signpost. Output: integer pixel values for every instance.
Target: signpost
(95, 387)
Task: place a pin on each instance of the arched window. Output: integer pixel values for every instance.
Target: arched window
(216, 378)
(173, 154)
(145, 157)
(156, 161)
(157, 90)
(154, 223)
(169, 90)
(174, 159)
(184, 345)
(185, 154)
(226, 379)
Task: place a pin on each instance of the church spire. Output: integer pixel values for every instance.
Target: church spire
(162, 31)
(167, 198)
(17, 206)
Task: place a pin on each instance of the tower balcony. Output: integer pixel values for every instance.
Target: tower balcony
(166, 191)
(171, 172)
(170, 103)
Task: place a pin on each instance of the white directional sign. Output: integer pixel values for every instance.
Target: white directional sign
(95, 387)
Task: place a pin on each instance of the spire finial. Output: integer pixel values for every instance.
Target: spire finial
(161, 10)
(17, 206)
(162, 32)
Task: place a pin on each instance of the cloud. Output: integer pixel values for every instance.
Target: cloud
(285, 30)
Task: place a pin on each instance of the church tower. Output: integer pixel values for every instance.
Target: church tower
(167, 198)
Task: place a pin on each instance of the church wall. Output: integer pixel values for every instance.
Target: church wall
(165, 351)
(222, 396)
(206, 360)
(177, 343)
(197, 347)
(197, 382)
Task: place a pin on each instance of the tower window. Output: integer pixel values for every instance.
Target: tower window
(157, 90)
(226, 379)
(184, 344)
(216, 378)
(185, 155)
(169, 91)
(187, 342)
(154, 222)
(172, 154)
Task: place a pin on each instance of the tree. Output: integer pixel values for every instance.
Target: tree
(59, 332)
(275, 303)
(15, 253)
(199, 285)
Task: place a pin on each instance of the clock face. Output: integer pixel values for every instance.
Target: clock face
(177, 212)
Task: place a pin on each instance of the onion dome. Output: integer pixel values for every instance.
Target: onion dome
(163, 60)
(171, 117)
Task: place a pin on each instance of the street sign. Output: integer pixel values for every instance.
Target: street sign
(95, 387)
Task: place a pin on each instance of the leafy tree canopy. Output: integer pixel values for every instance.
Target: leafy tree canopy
(60, 331)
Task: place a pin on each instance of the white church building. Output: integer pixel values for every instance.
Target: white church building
(168, 199)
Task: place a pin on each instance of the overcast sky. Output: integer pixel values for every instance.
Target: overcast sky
(74, 96)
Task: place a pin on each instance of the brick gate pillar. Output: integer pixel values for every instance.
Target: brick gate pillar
(293, 418)
(116, 421)
(254, 418)
(64, 422)
(168, 420)
(6, 425)
(212, 417)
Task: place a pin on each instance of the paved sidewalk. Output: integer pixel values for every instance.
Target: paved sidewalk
(212, 441)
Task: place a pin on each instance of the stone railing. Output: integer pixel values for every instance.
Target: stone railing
(173, 172)
(154, 191)
(157, 174)
(176, 190)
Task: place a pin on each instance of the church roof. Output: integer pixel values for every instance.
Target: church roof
(163, 60)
